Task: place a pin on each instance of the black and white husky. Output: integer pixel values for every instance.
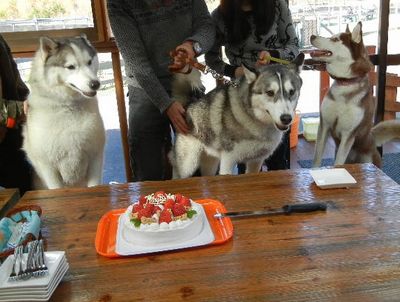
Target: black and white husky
(238, 124)
(64, 135)
(348, 109)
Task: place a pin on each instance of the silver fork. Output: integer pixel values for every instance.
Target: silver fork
(16, 263)
(43, 269)
(26, 273)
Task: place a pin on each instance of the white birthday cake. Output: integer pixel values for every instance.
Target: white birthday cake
(162, 218)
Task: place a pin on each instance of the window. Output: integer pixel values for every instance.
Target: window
(22, 22)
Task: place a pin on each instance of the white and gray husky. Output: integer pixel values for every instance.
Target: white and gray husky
(348, 109)
(64, 135)
(238, 124)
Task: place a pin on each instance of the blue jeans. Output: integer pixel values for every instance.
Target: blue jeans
(149, 138)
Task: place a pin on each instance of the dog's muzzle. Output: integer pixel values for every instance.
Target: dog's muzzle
(286, 120)
(94, 84)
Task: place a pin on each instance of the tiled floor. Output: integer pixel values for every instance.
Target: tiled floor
(114, 169)
(305, 150)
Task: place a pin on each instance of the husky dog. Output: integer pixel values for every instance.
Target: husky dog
(348, 109)
(239, 124)
(64, 135)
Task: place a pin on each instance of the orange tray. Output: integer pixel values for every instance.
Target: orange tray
(108, 224)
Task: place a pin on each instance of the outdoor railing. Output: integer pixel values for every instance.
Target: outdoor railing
(45, 24)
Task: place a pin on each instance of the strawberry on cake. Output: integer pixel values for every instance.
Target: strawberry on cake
(162, 217)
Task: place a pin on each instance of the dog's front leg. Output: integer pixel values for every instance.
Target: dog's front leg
(95, 170)
(345, 145)
(227, 164)
(49, 176)
(208, 165)
(254, 166)
(322, 137)
(185, 156)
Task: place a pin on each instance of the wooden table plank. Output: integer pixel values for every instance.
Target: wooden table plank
(349, 253)
(8, 198)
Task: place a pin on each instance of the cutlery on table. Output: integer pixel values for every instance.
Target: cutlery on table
(42, 268)
(27, 267)
(16, 266)
(33, 265)
(286, 210)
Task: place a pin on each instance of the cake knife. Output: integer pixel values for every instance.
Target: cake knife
(287, 209)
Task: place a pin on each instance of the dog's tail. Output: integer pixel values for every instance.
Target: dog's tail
(386, 131)
(185, 86)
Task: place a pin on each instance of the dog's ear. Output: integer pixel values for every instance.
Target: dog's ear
(249, 75)
(297, 63)
(47, 47)
(356, 35)
(348, 29)
(85, 38)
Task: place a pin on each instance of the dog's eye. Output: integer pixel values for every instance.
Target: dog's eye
(89, 62)
(270, 93)
(291, 92)
(71, 67)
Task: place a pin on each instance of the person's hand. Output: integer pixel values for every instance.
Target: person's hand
(239, 72)
(181, 61)
(188, 47)
(182, 56)
(264, 57)
(176, 114)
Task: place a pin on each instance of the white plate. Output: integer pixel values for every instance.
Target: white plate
(24, 294)
(125, 248)
(332, 178)
(37, 290)
(53, 261)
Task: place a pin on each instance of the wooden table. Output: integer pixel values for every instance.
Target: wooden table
(349, 253)
(8, 198)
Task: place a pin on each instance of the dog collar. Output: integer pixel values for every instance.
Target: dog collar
(346, 82)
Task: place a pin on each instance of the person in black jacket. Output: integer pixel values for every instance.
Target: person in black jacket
(15, 171)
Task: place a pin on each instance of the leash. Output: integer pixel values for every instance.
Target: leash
(181, 59)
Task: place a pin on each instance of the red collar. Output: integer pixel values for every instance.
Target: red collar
(347, 82)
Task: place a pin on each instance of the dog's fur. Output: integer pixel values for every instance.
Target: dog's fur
(64, 135)
(348, 109)
(238, 124)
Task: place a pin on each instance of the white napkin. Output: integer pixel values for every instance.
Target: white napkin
(331, 178)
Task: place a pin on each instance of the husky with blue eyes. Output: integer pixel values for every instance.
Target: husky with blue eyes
(241, 124)
(64, 134)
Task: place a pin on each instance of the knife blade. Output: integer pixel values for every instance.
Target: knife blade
(286, 210)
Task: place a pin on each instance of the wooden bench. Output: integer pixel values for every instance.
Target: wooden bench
(8, 199)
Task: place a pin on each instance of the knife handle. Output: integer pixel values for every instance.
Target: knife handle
(304, 207)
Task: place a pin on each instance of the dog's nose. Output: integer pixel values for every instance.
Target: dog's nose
(94, 84)
(286, 119)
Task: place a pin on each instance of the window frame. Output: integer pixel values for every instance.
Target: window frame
(27, 41)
